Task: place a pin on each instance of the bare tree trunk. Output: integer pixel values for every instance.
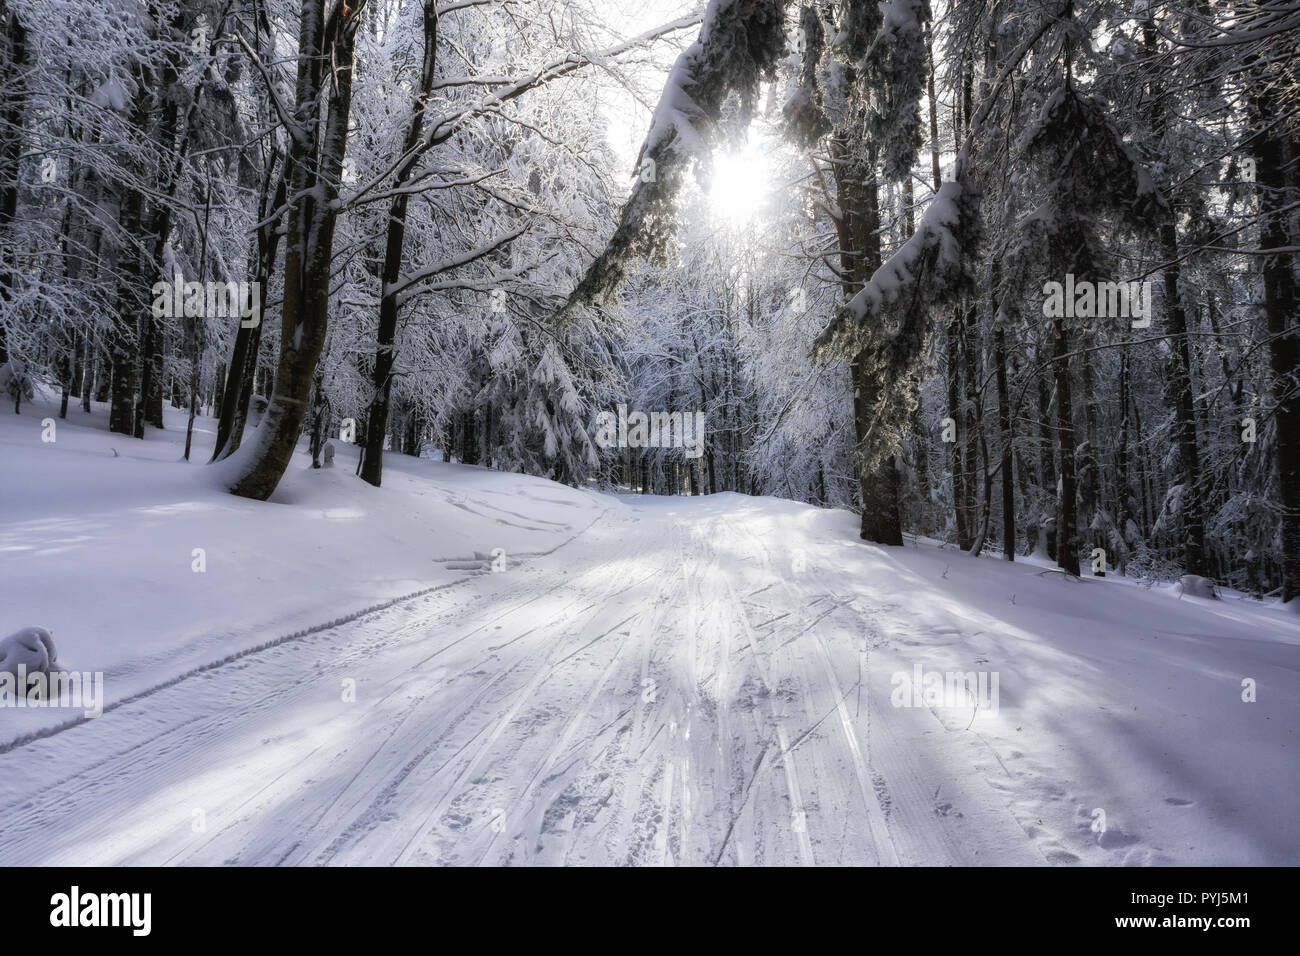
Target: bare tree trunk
(1067, 536)
(1047, 461)
(1006, 428)
(972, 428)
(372, 453)
(957, 457)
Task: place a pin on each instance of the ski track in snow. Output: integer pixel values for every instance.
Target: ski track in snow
(660, 690)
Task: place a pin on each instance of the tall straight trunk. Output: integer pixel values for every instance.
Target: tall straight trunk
(961, 463)
(78, 367)
(1047, 457)
(172, 138)
(936, 181)
(148, 403)
(1180, 383)
(986, 500)
(132, 319)
(1067, 535)
(1123, 493)
(218, 386)
(123, 332)
(856, 187)
(104, 375)
(957, 447)
(197, 330)
(238, 390)
(88, 372)
(372, 454)
(934, 107)
(13, 68)
(1007, 477)
(920, 443)
(325, 64)
(1277, 151)
(1089, 480)
(273, 194)
(1144, 474)
(148, 407)
(971, 430)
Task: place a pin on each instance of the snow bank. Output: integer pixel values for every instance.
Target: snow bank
(146, 568)
(31, 648)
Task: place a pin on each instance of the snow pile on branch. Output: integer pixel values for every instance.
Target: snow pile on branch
(933, 253)
(739, 43)
(896, 65)
(933, 243)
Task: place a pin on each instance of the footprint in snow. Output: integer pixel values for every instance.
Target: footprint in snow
(1114, 838)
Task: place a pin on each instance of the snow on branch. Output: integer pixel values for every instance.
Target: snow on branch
(739, 42)
(443, 128)
(404, 286)
(933, 253)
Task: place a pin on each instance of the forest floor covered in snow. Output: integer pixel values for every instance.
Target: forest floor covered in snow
(643, 680)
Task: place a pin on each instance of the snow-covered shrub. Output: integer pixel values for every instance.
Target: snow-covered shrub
(32, 647)
(1149, 567)
(1198, 586)
(16, 382)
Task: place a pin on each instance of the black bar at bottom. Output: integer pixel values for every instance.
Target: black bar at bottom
(332, 906)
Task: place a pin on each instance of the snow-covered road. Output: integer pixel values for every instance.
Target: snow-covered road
(658, 692)
(686, 681)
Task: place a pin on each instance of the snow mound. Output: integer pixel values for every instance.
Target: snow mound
(32, 647)
(1197, 586)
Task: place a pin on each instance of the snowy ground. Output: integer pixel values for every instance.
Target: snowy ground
(672, 680)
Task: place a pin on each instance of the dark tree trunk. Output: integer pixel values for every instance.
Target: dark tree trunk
(1277, 153)
(123, 333)
(1089, 478)
(325, 61)
(1006, 429)
(372, 454)
(1180, 385)
(248, 339)
(13, 66)
(957, 447)
(1067, 536)
(88, 372)
(1123, 491)
(972, 432)
(1047, 460)
(856, 195)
